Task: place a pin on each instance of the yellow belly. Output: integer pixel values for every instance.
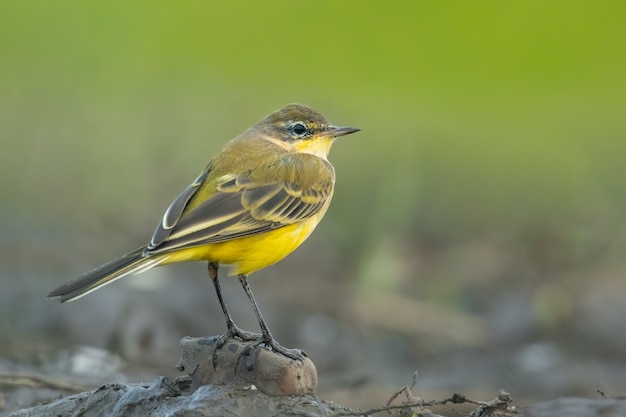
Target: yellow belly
(251, 253)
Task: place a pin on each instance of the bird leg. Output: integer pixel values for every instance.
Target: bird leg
(232, 329)
(267, 338)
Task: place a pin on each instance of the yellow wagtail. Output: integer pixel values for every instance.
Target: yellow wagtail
(255, 202)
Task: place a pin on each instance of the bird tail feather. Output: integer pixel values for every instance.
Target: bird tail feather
(133, 262)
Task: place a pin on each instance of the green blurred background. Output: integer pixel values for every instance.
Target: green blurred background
(477, 226)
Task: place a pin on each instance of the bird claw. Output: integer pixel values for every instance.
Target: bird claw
(295, 354)
(259, 339)
(234, 331)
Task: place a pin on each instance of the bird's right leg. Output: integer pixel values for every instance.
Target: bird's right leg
(232, 329)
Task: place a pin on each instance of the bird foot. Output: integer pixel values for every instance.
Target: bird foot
(295, 354)
(234, 331)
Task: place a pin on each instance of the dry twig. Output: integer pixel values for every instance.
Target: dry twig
(501, 406)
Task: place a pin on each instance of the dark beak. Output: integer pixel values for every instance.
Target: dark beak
(337, 131)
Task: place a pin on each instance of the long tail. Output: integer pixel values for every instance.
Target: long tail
(130, 263)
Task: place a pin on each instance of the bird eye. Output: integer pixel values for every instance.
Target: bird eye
(299, 129)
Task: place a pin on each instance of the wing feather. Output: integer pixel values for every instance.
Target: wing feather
(242, 205)
(175, 210)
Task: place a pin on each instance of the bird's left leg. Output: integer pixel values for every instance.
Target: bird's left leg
(267, 337)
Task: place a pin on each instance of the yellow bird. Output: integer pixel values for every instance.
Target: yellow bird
(255, 202)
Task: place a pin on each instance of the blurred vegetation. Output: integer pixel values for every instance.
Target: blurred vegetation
(491, 154)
